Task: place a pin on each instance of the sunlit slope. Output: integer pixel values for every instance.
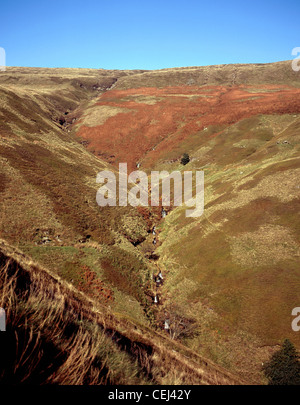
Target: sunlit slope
(235, 270)
(30, 97)
(232, 74)
(48, 190)
(143, 120)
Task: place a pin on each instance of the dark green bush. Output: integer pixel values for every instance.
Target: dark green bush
(284, 366)
(185, 159)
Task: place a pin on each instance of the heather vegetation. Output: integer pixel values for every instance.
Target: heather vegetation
(230, 277)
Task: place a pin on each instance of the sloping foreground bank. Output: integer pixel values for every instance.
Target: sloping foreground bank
(57, 335)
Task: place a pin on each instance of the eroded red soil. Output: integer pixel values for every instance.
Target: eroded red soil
(162, 118)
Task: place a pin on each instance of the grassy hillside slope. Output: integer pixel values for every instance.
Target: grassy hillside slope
(48, 190)
(235, 270)
(231, 277)
(58, 335)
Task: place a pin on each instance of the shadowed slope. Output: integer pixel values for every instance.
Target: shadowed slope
(67, 338)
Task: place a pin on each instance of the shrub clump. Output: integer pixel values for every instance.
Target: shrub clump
(284, 366)
(185, 159)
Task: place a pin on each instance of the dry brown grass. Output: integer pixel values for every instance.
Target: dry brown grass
(268, 245)
(61, 336)
(261, 73)
(99, 114)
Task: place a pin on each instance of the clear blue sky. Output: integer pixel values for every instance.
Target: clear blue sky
(128, 34)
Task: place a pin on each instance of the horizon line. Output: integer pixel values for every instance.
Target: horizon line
(151, 70)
